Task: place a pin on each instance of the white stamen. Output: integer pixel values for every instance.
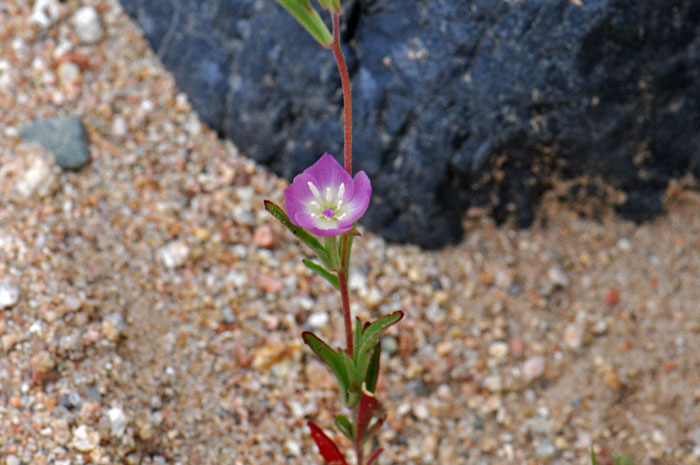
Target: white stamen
(329, 195)
(314, 190)
(340, 202)
(341, 191)
(314, 204)
(341, 216)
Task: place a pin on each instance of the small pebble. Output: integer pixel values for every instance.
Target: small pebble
(493, 383)
(87, 25)
(269, 284)
(545, 449)
(118, 421)
(318, 320)
(90, 413)
(573, 336)
(265, 237)
(228, 316)
(533, 368)
(85, 439)
(293, 447)
(558, 277)
(9, 295)
(45, 12)
(114, 326)
(43, 362)
(499, 350)
(174, 255)
(389, 345)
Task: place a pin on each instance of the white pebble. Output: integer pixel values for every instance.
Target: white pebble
(9, 295)
(85, 439)
(293, 447)
(318, 320)
(119, 127)
(118, 421)
(558, 277)
(174, 255)
(87, 25)
(498, 350)
(493, 383)
(45, 12)
(573, 336)
(533, 368)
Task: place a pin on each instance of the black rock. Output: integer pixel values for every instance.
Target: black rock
(456, 103)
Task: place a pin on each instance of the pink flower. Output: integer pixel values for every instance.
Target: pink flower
(325, 200)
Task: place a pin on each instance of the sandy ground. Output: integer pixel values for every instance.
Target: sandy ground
(150, 310)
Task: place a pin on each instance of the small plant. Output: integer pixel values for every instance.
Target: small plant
(322, 207)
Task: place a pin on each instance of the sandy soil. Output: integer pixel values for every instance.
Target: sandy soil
(151, 309)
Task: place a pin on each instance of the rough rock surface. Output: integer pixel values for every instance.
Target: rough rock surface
(457, 104)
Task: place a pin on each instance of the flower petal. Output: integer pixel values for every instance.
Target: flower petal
(357, 206)
(329, 173)
(298, 196)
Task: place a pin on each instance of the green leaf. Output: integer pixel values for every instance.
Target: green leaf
(370, 339)
(332, 358)
(357, 340)
(307, 238)
(373, 369)
(371, 335)
(330, 5)
(593, 460)
(345, 426)
(347, 258)
(309, 18)
(322, 272)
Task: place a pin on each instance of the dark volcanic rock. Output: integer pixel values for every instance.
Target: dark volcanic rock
(457, 103)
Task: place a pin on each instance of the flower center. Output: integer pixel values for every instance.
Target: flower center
(326, 206)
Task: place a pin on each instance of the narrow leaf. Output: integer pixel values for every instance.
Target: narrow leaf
(347, 256)
(326, 447)
(345, 426)
(373, 369)
(374, 456)
(309, 18)
(332, 358)
(371, 335)
(307, 238)
(593, 460)
(322, 272)
(357, 340)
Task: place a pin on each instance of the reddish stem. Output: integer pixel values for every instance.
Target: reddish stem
(342, 277)
(347, 93)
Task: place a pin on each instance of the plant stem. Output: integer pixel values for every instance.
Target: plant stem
(342, 277)
(347, 93)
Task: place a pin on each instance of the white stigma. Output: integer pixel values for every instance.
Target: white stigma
(314, 190)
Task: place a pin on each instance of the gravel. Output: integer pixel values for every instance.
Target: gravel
(151, 310)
